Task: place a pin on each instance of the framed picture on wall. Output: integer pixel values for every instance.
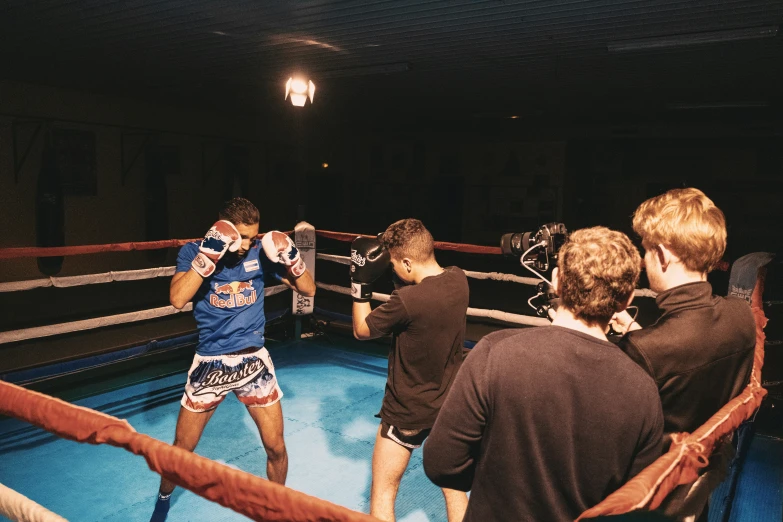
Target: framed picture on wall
(75, 153)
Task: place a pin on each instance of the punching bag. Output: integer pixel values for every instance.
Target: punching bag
(49, 209)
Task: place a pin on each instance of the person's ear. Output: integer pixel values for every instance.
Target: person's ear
(407, 264)
(664, 255)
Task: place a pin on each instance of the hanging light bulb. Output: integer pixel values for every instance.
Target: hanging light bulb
(299, 91)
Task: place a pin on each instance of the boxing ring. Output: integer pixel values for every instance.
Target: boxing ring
(331, 393)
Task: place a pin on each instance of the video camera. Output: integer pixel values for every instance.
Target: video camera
(539, 248)
(538, 252)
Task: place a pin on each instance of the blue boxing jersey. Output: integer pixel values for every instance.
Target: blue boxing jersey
(229, 306)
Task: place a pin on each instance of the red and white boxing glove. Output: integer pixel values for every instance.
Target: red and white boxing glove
(222, 237)
(279, 248)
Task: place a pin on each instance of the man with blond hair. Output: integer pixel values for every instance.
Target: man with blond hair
(700, 350)
(544, 423)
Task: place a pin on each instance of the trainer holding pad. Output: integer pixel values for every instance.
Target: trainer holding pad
(369, 260)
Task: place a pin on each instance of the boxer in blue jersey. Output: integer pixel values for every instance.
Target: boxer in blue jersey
(224, 276)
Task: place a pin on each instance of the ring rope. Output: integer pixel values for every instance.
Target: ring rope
(499, 276)
(16, 252)
(690, 452)
(439, 245)
(472, 312)
(108, 320)
(17, 507)
(245, 493)
(343, 260)
(10, 253)
(21, 252)
(495, 276)
(168, 271)
(88, 279)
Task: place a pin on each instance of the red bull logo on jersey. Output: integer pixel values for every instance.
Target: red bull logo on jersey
(235, 294)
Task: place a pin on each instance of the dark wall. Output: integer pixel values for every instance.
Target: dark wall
(117, 170)
(607, 179)
(468, 182)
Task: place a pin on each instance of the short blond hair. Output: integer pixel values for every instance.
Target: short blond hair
(688, 223)
(598, 271)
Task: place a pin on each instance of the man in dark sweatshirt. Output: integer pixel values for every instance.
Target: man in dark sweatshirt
(543, 423)
(700, 350)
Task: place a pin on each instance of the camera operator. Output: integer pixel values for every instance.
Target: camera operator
(543, 423)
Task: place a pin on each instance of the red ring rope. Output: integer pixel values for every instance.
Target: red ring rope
(440, 245)
(19, 252)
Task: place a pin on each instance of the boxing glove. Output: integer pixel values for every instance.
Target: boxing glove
(222, 237)
(279, 248)
(368, 261)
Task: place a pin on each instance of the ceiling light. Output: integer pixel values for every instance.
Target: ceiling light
(299, 91)
(682, 40)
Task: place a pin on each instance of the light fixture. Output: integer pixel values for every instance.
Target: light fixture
(324, 165)
(683, 40)
(299, 91)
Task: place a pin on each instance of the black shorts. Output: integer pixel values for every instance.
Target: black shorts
(411, 439)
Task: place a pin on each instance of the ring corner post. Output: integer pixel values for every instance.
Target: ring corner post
(304, 239)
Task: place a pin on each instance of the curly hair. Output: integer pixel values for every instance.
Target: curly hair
(239, 211)
(598, 271)
(688, 223)
(408, 238)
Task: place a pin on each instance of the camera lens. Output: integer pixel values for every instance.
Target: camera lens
(510, 244)
(516, 243)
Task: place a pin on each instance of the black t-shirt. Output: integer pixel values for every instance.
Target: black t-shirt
(427, 324)
(542, 424)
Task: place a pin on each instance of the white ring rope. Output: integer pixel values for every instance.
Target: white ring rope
(18, 507)
(347, 291)
(109, 320)
(168, 271)
(495, 276)
(89, 279)
(509, 317)
(472, 312)
(498, 276)
(343, 260)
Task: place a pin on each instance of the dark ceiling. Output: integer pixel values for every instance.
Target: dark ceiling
(428, 56)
